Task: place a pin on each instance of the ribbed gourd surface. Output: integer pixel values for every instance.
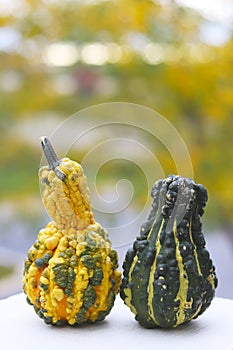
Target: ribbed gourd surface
(169, 277)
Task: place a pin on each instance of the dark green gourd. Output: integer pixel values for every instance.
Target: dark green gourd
(169, 277)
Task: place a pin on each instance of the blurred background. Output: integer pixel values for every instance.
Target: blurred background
(57, 57)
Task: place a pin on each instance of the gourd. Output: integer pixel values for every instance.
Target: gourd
(70, 274)
(169, 277)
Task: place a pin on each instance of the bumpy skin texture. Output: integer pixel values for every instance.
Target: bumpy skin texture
(70, 273)
(169, 277)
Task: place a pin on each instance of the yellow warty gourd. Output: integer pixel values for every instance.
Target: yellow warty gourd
(70, 273)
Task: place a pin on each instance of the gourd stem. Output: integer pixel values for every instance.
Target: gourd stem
(49, 153)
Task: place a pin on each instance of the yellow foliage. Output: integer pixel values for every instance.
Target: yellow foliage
(190, 84)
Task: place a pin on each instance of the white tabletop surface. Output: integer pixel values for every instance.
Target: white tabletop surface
(22, 329)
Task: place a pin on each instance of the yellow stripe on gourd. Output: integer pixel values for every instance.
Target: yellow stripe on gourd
(127, 290)
(195, 249)
(150, 288)
(183, 282)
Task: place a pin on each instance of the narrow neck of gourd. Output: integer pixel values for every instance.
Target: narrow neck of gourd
(67, 209)
(66, 199)
(74, 206)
